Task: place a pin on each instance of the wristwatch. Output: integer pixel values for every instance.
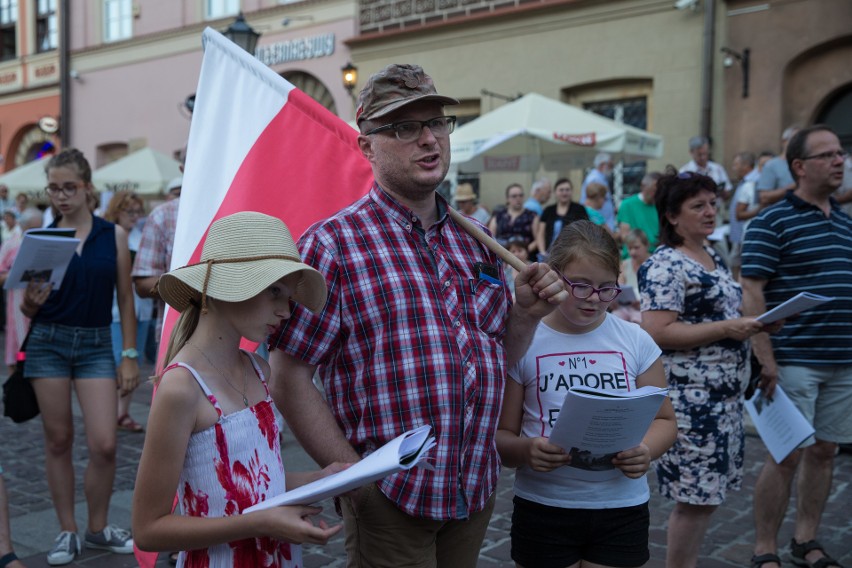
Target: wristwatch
(130, 353)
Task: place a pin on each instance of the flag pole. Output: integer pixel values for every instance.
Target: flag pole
(489, 242)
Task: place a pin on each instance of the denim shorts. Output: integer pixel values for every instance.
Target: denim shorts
(56, 350)
(552, 537)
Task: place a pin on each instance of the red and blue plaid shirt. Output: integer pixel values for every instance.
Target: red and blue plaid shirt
(410, 335)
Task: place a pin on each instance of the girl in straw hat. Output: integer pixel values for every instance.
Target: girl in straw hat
(213, 435)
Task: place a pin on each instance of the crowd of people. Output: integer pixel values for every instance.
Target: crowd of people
(415, 324)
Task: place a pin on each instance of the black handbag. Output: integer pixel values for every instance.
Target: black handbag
(19, 398)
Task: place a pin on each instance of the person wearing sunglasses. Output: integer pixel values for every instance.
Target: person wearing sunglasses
(691, 306)
(419, 328)
(803, 244)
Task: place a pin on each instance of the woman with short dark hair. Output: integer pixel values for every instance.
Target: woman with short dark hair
(691, 306)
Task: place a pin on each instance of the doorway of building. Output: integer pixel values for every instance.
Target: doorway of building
(837, 114)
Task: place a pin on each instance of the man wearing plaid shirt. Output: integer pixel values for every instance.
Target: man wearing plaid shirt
(418, 329)
(154, 256)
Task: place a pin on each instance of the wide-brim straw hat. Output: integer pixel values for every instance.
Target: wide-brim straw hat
(243, 254)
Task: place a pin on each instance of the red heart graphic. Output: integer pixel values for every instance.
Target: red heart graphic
(592, 361)
(562, 363)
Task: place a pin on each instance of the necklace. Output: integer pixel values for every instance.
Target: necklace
(224, 376)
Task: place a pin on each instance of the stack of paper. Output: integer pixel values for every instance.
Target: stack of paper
(780, 424)
(798, 303)
(594, 425)
(401, 453)
(44, 255)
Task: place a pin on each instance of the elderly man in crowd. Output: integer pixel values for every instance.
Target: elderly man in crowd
(418, 328)
(699, 149)
(539, 195)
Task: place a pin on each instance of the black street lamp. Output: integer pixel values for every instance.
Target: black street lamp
(350, 77)
(242, 34)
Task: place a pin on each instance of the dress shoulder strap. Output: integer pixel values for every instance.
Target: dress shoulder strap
(257, 369)
(207, 392)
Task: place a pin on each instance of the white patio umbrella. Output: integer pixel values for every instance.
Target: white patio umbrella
(145, 172)
(535, 131)
(29, 178)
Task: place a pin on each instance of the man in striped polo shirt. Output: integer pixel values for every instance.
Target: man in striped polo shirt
(803, 243)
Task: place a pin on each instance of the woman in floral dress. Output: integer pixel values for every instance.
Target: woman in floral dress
(691, 307)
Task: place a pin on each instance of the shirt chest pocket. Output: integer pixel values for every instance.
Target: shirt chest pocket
(487, 303)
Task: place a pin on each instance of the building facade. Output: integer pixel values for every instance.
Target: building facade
(656, 64)
(737, 71)
(134, 65)
(29, 81)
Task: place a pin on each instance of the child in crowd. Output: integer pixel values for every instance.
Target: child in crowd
(519, 247)
(559, 520)
(595, 199)
(213, 435)
(638, 249)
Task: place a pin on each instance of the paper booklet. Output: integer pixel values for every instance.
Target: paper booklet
(780, 424)
(401, 453)
(593, 425)
(798, 303)
(628, 295)
(44, 255)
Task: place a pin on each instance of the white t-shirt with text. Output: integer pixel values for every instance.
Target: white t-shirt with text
(609, 357)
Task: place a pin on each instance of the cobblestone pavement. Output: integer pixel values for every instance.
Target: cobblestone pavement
(34, 525)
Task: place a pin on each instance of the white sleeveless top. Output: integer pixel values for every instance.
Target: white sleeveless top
(229, 467)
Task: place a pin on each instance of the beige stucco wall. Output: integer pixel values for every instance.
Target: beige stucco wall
(550, 51)
(801, 52)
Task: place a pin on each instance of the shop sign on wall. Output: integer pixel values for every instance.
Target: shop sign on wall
(312, 47)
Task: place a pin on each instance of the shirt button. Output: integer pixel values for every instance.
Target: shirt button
(469, 364)
(446, 284)
(457, 324)
(408, 227)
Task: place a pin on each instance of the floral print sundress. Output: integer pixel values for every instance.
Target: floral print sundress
(706, 383)
(229, 467)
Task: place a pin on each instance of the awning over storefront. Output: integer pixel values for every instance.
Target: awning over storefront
(145, 172)
(535, 131)
(29, 178)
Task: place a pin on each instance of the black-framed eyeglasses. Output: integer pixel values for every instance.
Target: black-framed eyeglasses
(69, 189)
(584, 291)
(842, 154)
(408, 130)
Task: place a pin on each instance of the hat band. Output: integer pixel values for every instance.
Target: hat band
(211, 261)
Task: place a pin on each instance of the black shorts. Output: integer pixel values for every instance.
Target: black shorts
(553, 537)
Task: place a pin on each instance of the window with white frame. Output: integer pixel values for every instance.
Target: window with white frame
(8, 29)
(118, 19)
(221, 8)
(46, 38)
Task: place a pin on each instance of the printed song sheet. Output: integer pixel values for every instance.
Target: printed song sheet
(797, 304)
(44, 255)
(401, 453)
(780, 424)
(594, 425)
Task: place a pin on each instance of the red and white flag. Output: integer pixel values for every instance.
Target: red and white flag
(257, 143)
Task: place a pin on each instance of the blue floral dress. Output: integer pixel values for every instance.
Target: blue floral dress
(706, 383)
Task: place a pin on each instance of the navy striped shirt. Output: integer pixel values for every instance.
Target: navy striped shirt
(797, 248)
